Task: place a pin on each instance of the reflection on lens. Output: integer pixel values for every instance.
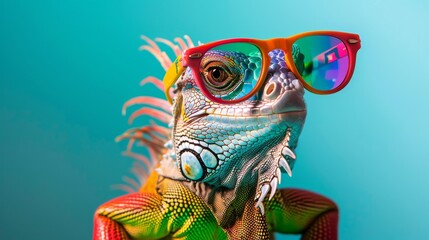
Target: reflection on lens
(322, 61)
(230, 71)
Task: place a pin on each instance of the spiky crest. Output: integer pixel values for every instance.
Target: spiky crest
(152, 136)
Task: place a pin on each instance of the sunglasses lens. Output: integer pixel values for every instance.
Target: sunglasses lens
(231, 71)
(322, 61)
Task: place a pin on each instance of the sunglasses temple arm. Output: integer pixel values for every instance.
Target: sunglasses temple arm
(173, 73)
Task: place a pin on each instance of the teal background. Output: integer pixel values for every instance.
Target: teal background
(68, 66)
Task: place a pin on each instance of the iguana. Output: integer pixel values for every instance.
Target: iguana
(214, 171)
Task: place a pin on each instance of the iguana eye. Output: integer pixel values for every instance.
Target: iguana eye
(216, 75)
(220, 75)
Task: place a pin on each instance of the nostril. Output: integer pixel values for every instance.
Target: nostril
(270, 89)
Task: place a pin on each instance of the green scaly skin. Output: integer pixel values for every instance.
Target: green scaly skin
(219, 171)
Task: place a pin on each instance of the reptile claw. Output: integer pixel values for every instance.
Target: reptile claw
(264, 191)
(279, 175)
(261, 207)
(256, 197)
(273, 187)
(285, 166)
(288, 152)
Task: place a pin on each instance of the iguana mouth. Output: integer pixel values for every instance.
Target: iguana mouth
(246, 113)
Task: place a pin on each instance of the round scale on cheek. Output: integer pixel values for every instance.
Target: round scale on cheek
(208, 158)
(190, 166)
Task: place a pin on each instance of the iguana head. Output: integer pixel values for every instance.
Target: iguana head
(242, 144)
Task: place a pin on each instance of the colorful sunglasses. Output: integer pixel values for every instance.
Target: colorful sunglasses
(233, 70)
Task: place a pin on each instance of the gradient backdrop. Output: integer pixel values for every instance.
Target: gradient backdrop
(68, 66)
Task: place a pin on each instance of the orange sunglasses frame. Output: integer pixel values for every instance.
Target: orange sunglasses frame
(192, 58)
